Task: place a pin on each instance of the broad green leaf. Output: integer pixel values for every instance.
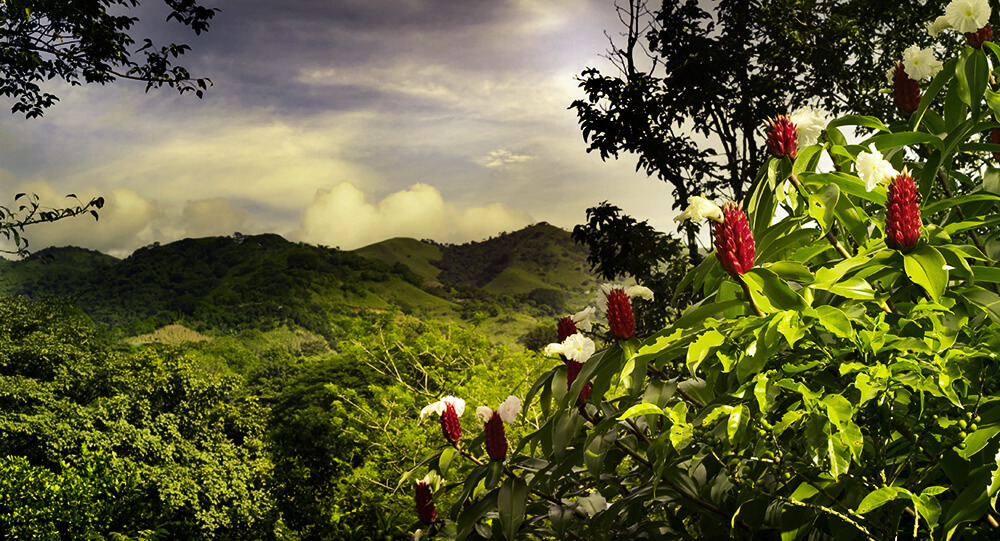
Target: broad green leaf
(888, 141)
(737, 422)
(853, 288)
(639, 410)
(849, 184)
(924, 265)
(835, 320)
(987, 300)
(512, 502)
(839, 456)
(771, 293)
(952, 202)
(790, 326)
(979, 439)
(791, 270)
(823, 204)
(857, 120)
(702, 347)
(838, 409)
(986, 274)
(879, 497)
(787, 420)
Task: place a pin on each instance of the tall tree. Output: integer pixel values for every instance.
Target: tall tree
(695, 80)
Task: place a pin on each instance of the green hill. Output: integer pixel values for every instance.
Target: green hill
(507, 285)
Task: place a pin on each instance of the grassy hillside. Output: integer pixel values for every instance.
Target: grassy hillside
(505, 285)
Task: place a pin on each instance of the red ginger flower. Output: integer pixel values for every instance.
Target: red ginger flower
(566, 328)
(572, 371)
(621, 322)
(426, 511)
(782, 137)
(734, 244)
(496, 438)
(905, 90)
(450, 409)
(902, 214)
(977, 38)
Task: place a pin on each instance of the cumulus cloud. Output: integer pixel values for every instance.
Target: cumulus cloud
(342, 216)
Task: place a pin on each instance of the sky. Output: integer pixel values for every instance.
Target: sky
(340, 123)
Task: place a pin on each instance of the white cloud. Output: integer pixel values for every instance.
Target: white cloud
(342, 216)
(501, 157)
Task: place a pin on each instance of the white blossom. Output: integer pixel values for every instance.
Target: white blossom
(484, 413)
(582, 318)
(509, 409)
(642, 292)
(939, 24)
(700, 208)
(578, 348)
(439, 406)
(967, 15)
(920, 63)
(873, 169)
(553, 350)
(809, 123)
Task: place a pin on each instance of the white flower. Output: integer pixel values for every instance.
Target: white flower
(939, 24)
(582, 318)
(439, 406)
(967, 15)
(484, 413)
(920, 63)
(642, 292)
(578, 348)
(553, 350)
(873, 169)
(700, 208)
(809, 123)
(509, 408)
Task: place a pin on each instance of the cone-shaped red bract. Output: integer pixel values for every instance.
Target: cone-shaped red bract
(425, 503)
(902, 214)
(977, 38)
(905, 90)
(995, 139)
(566, 328)
(496, 438)
(621, 322)
(450, 425)
(734, 244)
(572, 371)
(782, 137)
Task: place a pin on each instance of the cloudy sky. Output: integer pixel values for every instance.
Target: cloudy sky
(338, 122)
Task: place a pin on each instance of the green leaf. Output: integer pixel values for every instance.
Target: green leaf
(849, 184)
(737, 422)
(639, 410)
(823, 204)
(888, 141)
(952, 202)
(987, 300)
(701, 347)
(924, 265)
(853, 288)
(856, 120)
(791, 270)
(771, 293)
(512, 502)
(979, 439)
(836, 321)
(879, 497)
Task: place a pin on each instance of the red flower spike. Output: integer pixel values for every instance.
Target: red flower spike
(902, 214)
(905, 90)
(496, 438)
(450, 425)
(782, 137)
(995, 139)
(620, 319)
(734, 244)
(426, 511)
(566, 328)
(977, 38)
(572, 371)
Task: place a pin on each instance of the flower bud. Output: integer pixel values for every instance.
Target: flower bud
(621, 322)
(566, 328)
(734, 244)
(782, 137)
(426, 511)
(496, 438)
(450, 425)
(905, 90)
(902, 214)
(977, 38)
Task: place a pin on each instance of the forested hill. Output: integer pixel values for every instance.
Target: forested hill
(509, 284)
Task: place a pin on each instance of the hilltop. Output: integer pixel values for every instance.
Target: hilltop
(506, 285)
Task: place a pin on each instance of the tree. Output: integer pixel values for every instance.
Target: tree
(694, 87)
(82, 41)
